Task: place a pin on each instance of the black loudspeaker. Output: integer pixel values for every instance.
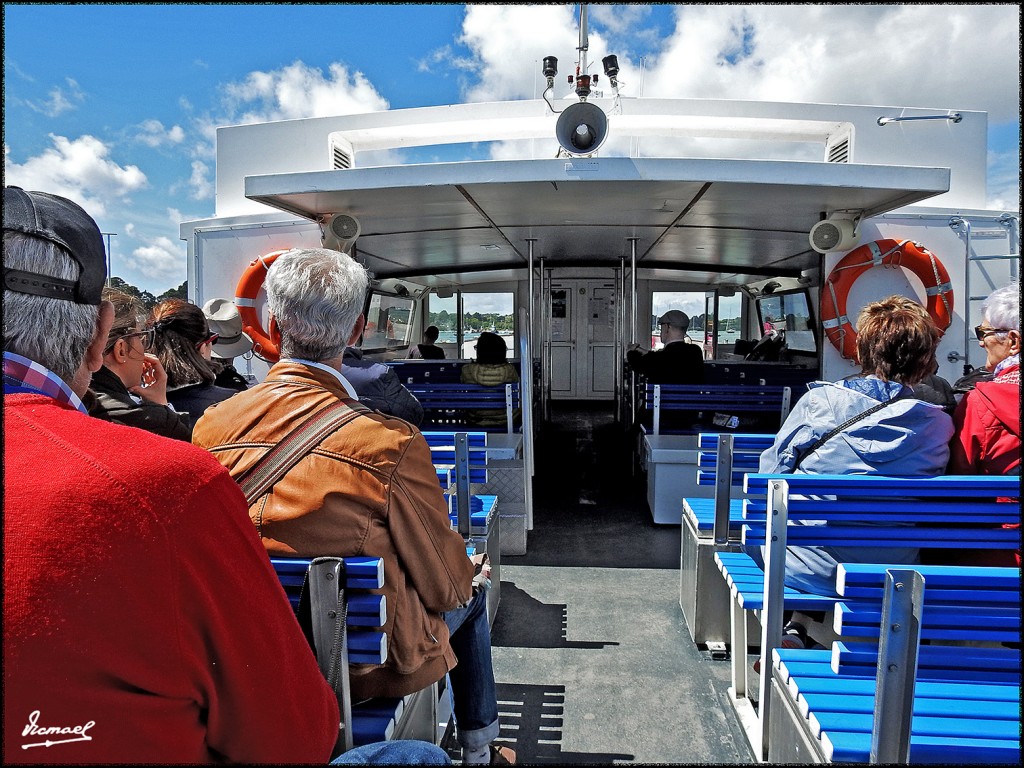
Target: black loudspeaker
(581, 128)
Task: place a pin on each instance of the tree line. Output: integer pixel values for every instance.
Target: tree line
(147, 298)
(472, 322)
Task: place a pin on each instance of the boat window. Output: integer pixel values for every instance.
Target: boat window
(494, 312)
(789, 312)
(387, 323)
(690, 302)
(727, 327)
(444, 313)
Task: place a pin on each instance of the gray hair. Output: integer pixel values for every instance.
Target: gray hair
(1002, 308)
(52, 332)
(316, 296)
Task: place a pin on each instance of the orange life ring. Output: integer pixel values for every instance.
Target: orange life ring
(248, 288)
(887, 253)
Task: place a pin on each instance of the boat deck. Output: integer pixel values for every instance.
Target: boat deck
(593, 660)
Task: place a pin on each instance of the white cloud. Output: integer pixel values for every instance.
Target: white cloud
(200, 182)
(59, 101)
(79, 169)
(152, 133)
(162, 260)
(939, 56)
(298, 90)
(1004, 180)
(509, 42)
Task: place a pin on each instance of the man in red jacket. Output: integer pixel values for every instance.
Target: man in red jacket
(143, 622)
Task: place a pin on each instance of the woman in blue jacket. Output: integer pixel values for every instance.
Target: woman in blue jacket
(895, 432)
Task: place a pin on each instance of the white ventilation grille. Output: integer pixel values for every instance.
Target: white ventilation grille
(839, 153)
(839, 145)
(342, 153)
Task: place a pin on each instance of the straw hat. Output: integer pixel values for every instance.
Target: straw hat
(224, 320)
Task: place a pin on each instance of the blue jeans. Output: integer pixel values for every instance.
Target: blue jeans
(475, 699)
(394, 753)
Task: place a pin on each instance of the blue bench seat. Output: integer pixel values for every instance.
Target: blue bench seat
(845, 511)
(377, 719)
(895, 699)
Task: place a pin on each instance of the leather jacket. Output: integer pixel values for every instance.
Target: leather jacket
(368, 489)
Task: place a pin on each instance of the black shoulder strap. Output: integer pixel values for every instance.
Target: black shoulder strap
(260, 477)
(848, 423)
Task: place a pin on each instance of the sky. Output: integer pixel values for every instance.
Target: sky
(115, 106)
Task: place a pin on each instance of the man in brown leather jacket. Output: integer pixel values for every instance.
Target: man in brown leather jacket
(367, 489)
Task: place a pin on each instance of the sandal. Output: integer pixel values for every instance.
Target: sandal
(502, 755)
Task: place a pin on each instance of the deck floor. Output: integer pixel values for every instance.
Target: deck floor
(592, 657)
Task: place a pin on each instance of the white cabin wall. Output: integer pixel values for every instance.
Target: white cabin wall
(931, 228)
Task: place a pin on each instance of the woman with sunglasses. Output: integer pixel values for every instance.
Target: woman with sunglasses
(131, 387)
(184, 345)
(987, 421)
(986, 437)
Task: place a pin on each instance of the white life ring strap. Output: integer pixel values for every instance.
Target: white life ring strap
(240, 302)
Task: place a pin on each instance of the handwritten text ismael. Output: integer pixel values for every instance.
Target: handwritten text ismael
(77, 732)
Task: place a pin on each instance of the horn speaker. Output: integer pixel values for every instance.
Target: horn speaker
(833, 235)
(581, 128)
(340, 232)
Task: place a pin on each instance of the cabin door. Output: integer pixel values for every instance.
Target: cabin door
(581, 339)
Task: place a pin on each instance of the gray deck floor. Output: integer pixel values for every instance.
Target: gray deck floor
(592, 657)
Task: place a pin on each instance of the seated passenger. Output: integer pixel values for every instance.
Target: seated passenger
(379, 387)
(428, 350)
(986, 440)
(223, 319)
(987, 421)
(491, 369)
(867, 424)
(367, 488)
(131, 386)
(184, 344)
(680, 361)
(141, 618)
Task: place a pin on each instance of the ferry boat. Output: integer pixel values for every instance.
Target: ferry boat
(585, 242)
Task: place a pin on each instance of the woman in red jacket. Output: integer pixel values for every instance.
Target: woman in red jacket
(986, 440)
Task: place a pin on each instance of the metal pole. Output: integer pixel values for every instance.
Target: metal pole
(108, 235)
(530, 289)
(545, 364)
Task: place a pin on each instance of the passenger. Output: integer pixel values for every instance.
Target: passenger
(987, 421)
(223, 318)
(141, 616)
(428, 350)
(680, 361)
(491, 369)
(131, 386)
(986, 440)
(895, 433)
(935, 389)
(369, 488)
(379, 387)
(184, 344)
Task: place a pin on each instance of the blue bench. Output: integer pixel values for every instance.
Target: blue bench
(711, 525)
(670, 455)
(714, 403)
(419, 372)
(312, 587)
(883, 697)
(493, 465)
(857, 510)
(449, 406)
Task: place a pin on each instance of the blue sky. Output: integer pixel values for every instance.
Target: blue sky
(115, 105)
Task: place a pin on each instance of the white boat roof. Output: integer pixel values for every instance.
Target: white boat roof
(721, 218)
(714, 218)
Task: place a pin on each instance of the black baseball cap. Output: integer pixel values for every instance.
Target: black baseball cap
(60, 221)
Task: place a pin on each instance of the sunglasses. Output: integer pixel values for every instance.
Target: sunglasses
(982, 332)
(211, 339)
(148, 336)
